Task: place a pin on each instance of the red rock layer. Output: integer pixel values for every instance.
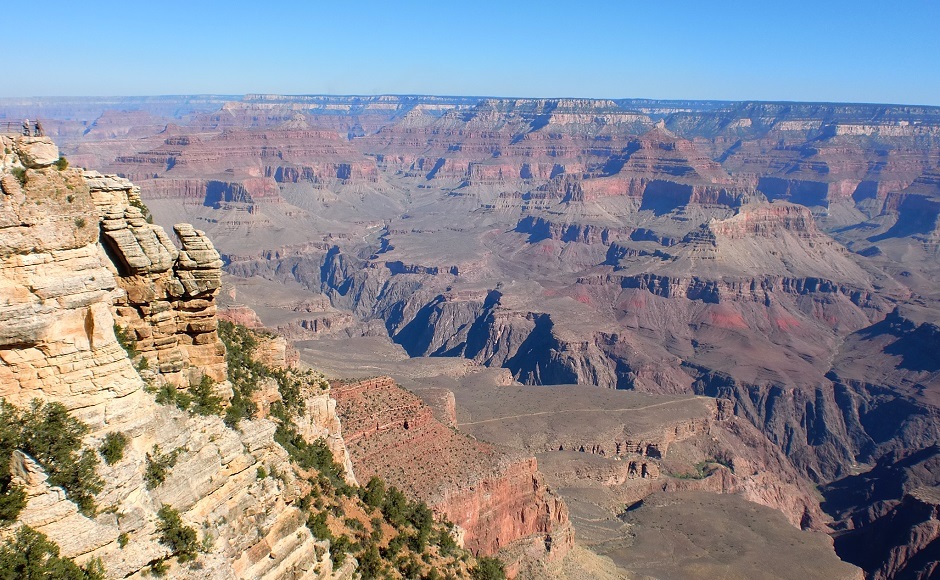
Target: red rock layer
(243, 165)
(497, 496)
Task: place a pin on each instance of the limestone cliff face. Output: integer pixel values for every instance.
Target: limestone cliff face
(169, 294)
(57, 290)
(320, 420)
(56, 338)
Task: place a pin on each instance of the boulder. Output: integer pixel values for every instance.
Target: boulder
(36, 152)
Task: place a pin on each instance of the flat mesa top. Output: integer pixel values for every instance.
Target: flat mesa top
(505, 414)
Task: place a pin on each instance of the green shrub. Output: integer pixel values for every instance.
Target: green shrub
(159, 568)
(12, 501)
(395, 545)
(446, 542)
(370, 564)
(488, 569)
(123, 538)
(316, 455)
(177, 536)
(144, 210)
(62, 164)
(80, 222)
(245, 374)
(12, 497)
(20, 174)
(112, 449)
(205, 401)
(236, 411)
(158, 464)
(183, 399)
(376, 534)
(125, 338)
(261, 473)
(408, 566)
(167, 395)
(422, 519)
(339, 547)
(395, 508)
(30, 555)
(317, 524)
(373, 494)
(290, 383)
(53, 438)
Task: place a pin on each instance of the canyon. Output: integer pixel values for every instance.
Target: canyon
(106, 315)
(766, 271)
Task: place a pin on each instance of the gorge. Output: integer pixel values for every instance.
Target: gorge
(764, 273)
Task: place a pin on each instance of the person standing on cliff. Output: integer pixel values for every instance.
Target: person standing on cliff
(39, 131)
(26, 128)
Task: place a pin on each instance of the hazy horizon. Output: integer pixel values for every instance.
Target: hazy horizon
(221, 96)
(794, 51)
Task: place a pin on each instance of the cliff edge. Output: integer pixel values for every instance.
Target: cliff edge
(63, 289)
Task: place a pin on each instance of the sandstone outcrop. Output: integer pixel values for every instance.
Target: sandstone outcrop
(169, 294)
(58, 345)
(57, 339)
(36, 152)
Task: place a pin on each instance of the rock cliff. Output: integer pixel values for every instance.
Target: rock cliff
(496, 496)
(168, 300)
(58, 293)
(889, 515)
(57, 337)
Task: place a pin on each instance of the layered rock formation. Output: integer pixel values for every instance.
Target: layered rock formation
(748, 251)
(618, 447)
(57, 338)
(890, 515)
(169, 294)
(249, 164)
(788, 303)
(496, 496)
(58, 345)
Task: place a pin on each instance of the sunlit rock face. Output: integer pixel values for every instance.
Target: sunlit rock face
(65, 280)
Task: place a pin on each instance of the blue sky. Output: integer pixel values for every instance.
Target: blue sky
(861, 51)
